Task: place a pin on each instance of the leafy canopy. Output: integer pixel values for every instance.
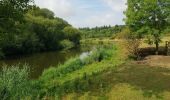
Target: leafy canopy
(11, 12)
(148, 17)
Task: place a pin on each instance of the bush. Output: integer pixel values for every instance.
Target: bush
(77, 63)
(91, 57)
(72, 34)
(67, 44)
(131, 42)
(68, 67)
(14, 82)
(1, 54)
(74, 75)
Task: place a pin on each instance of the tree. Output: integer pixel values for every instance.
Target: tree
(44, 12)
(11, 13)
(47, 13)
(26, 28)
(72, 34)
(148, 17)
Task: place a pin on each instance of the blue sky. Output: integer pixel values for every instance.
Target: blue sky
(87, 13)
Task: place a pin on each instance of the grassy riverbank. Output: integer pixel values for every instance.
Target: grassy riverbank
(107, 40)
(75, 75)
(128, 82)
(102, 74)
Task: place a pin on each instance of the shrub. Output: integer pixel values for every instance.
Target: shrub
(68, 67)
(93, 56)
(131, 42)
(67, 44)
(14, 82)
(74, 75)
(1, 54)
(99, 54)
(77, 63)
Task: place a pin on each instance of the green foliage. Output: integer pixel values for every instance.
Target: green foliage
(11, 14)
(72, 34)
(14, 83)
(46, 13)
(74, 75)
(39, 31)
(97, 55)
(97, 32)
(131, 42)
(66, 44)
(49, 31)
(148, 17)
(91, 57)
(68, 67)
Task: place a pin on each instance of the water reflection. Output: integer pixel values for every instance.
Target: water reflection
(40, 61)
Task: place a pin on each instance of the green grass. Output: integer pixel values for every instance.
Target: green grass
(106, 76)
(129, 82)
(14, 82)
(97, 41)
(75, 73)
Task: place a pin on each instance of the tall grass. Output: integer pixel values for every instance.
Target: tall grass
(74, 74)
(14, 82)
(77, 63)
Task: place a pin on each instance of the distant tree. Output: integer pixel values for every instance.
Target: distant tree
(103, 31)
(72, 34)
(148, 17)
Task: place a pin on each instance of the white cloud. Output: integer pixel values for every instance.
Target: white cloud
(100, 20)
(116, 5)
(62, 8)
(83, 13)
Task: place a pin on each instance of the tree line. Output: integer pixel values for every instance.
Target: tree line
(103, 31)
(25, 28)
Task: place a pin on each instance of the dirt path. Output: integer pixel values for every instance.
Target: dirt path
(156, 60)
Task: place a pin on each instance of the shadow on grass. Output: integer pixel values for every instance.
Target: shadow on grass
(151, 80)
(143, 52)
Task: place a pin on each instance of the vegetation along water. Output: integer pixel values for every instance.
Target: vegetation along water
(44, 57)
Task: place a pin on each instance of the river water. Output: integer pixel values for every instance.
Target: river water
(40, 61)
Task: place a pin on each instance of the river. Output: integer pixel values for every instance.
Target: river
(40, 61)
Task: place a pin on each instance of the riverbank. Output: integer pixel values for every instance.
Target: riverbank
(128, 82)
(100, 74)
(38, 62)
(107, 40)
(75, 75)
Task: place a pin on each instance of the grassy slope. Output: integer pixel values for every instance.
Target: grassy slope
(51, 80)
(109, 40)
(130, 82)
(127, 82)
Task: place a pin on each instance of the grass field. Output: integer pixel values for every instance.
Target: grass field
(106, 74)
(130, 82)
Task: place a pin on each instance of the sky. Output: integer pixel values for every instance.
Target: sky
(87, 13)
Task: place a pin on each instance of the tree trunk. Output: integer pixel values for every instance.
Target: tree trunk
(157, 47)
